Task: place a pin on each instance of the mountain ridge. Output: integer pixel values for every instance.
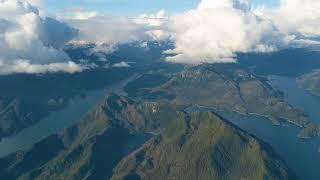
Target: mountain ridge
(228, 88)
(97, 147)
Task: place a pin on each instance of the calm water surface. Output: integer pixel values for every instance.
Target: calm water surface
(58, 120)
(302, 156)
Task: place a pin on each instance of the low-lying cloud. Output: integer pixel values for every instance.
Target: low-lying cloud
(297, 17)
(28, 68)
(219, 29)
(121, 65)
(29, 43)
(213, 32)
(107, 32)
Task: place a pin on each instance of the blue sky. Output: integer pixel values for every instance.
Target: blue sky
(132, 7)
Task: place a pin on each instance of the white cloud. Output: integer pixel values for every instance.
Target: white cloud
(23, 66)
(76, 14)
(217, 29)
(28, 38)
(297, 16)
(156, 23)
(107, 32)
(121, 65)
(156, 20)
(36, 3)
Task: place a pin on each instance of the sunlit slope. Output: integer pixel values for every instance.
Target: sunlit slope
(121, 138)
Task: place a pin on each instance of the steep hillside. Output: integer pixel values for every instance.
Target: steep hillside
(25, 99)
(225, 87)
(311, 82)
(122, 139)
(202, 146)
(15, 114)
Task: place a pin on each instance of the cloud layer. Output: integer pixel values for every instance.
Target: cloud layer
(29, 68)
(108, 31)
(296, 16)
(219, 29)
(121, 65)
(213, 32)
(29, 43)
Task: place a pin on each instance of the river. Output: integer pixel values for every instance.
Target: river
(302, 156)
(60, 119)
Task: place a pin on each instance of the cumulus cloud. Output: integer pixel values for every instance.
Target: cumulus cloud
(121, 65)
(151, 19)
(110, 30)
(157, 23)
(29, 42)
(107, 32)
(213, 32)
(217, 29)
(23, 66)
(297, 17)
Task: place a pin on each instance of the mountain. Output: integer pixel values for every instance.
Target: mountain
(25, 99)
(124, 139)
(224, 87)
(311, 82)
(202, 146)
(16, 114)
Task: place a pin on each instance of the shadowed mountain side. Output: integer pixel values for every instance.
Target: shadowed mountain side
(92, 148)
(16, 114)
(25, 99)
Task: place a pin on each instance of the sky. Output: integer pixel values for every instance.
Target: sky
(133, 7)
